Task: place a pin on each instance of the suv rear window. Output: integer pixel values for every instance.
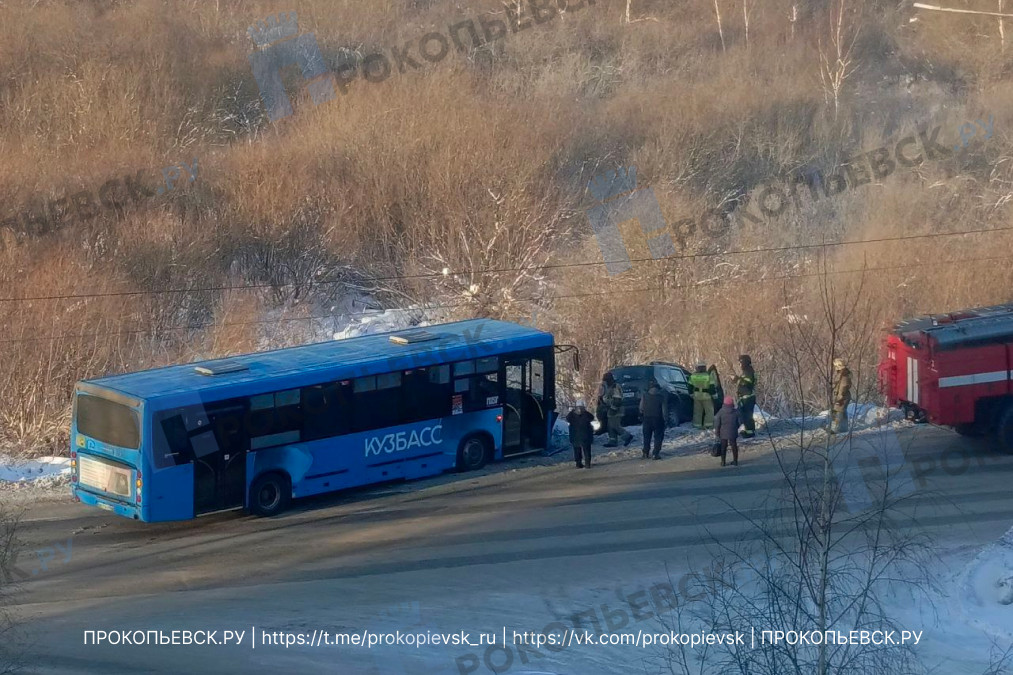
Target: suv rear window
(671, 375)
(108, 422)
(631, 373)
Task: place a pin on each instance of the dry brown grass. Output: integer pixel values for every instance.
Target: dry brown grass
(476, 163)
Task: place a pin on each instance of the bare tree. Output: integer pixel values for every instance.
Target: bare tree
(816, 562)
(628, 17)
(1002, 31)
(745, 18)
(836, 52)
(721, 33)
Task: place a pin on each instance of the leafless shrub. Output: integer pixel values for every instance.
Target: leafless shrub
(816, 563)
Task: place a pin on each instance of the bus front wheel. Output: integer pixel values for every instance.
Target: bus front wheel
(473, 454)
(270, 494)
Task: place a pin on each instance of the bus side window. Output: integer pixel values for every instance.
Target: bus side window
(537, 378)
(377, 402)
(425, 394)
(326, 410)
(172, 445)
(275, 419)
(478, 383)
(439, 374)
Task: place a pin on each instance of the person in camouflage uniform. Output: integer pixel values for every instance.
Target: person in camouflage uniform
(614, 399)
(842, 397)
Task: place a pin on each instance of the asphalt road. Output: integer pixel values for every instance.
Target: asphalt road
(519, 546)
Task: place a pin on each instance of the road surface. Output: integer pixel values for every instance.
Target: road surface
(517, 547)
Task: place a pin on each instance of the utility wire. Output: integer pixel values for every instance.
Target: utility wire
(708, 282)
(432, 275)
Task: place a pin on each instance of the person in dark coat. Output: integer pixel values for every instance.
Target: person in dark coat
(581, 434)
(719, 391)
(746, 391)
(726, 428)
(614, 398)
(654, 411)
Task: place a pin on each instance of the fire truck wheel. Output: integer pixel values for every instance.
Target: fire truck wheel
(971, 430)
(1004, 430)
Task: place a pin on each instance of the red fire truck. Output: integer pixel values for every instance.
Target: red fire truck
(954, 369)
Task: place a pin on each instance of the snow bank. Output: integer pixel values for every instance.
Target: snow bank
(43, 469)
(868, 414)
(986, 589)
(381, 321)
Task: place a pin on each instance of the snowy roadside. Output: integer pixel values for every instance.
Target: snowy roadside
(43, 478)
(984, 590)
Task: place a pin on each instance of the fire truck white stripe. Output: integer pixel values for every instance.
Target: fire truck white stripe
(977, 378)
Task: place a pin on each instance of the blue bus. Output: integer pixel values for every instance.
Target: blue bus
(259, 429)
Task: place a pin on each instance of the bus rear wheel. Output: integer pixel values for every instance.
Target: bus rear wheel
(270, 494)
(473, 454)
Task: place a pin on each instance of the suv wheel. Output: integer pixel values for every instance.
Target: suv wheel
(674, 418)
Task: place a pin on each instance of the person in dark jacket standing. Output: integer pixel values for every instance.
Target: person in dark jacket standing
(581, 434)
(746, 392)
(726, 428)
(654, 411)
(718, 393)
(614, 398)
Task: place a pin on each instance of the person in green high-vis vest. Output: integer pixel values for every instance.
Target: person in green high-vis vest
(702, 387)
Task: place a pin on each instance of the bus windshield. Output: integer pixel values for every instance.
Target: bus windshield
(108, 422)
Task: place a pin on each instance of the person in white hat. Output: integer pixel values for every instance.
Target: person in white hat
(581, 434)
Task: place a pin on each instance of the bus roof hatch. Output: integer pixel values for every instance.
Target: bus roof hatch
(410, 337)
(221, 367)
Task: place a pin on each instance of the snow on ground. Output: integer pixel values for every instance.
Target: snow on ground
(351, 316)
(41, 472)
(964, 621)
(382, 321)
(984, 590)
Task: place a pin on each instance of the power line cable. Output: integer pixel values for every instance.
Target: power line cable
(708, 282)
(432, 275)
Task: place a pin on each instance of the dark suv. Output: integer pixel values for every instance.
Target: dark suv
(673, 379)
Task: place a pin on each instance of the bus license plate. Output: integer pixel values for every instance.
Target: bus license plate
(107, 507)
